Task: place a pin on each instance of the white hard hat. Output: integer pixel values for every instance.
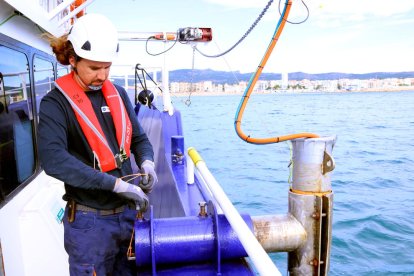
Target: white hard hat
(94, 37)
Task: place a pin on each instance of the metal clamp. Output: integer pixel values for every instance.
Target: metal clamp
(328, 164)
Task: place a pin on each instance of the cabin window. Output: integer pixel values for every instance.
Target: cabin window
(17, 161)
(62, 70)
(44, 78)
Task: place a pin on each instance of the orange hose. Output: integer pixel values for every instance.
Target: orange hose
(255, 77)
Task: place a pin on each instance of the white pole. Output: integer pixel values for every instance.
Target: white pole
(166, 90)
(190, 172)
(257, 254)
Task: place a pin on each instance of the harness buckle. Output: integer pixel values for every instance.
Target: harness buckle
(123, 154)
(120, 158)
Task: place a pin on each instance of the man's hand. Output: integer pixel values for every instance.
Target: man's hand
(149, 179)
(132, 192)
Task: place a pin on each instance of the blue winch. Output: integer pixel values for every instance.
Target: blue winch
(206, 238)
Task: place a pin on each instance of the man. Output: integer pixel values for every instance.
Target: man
(87, 131)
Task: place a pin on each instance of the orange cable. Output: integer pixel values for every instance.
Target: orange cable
(249, 90)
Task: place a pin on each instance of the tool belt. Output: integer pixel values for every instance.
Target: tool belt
(73, 207)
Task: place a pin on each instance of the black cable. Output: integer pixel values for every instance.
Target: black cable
(307, 16)
(144, 85)
(244, 36)
(157, 54)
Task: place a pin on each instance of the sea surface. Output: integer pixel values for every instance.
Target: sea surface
(373, 182)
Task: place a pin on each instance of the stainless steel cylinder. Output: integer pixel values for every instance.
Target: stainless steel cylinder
(279, 233)
(312, 161)
(311, 203)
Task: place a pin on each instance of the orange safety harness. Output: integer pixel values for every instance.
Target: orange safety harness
(89, 123)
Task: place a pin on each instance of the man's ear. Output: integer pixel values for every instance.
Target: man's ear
(72, 61)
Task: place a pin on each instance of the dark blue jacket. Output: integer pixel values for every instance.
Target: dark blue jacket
(66, 155)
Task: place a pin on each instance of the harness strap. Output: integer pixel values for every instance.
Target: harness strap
(90, 125)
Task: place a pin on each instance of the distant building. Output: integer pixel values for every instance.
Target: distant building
(285, 80)
(303, 85)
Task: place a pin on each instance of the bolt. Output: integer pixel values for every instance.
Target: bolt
(203, 212)
(316, 215)
(314, 262)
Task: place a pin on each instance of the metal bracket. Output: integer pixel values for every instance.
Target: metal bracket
(328, 164)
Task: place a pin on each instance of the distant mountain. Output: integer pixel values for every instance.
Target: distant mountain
(218, 77)
(221, 77)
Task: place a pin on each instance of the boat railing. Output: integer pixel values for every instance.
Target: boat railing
(54, 16)
(18, 92)
(124, 75)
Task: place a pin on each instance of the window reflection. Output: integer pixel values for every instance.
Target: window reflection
(44, 79)
(17, 161)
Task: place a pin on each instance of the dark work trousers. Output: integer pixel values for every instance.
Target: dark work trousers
(99, 243)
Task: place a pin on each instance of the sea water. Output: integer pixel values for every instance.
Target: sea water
(373, 182)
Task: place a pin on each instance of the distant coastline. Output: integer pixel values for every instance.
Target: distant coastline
(213, 83)
(230, 93)
(222, 77)
(288, 85)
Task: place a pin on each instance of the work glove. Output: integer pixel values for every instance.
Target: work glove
(149, 178)
(132, 192)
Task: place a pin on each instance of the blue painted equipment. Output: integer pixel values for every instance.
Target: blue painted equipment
(177, 150)
(187, 240)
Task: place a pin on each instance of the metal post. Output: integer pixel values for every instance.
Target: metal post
(177, 150)
(166, 89)
(190, 172)
(310, 202)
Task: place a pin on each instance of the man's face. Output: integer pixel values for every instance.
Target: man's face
(91, 73)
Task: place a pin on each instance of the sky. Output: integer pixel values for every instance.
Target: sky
(348, 36)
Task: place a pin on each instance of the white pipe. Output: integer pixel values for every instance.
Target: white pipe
(166, 90)
(190, 172)
(126, 81)
(257, 254)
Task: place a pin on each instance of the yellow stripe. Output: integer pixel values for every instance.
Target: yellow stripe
(310, 193)
(192, 152)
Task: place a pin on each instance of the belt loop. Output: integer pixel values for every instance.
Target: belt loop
(71, 210)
